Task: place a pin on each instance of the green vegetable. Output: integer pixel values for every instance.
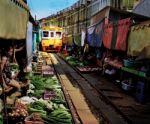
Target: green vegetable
(14, 66)
(61, 120)
(41, 83)
(59, 101)
(37, 93)
(74, 63)
(32, 110)
(60, 113)
(1, 119)
(81, 64)
(56, 120)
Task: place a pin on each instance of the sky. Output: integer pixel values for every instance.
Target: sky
(44, 8)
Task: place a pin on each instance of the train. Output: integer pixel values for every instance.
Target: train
(51, 39)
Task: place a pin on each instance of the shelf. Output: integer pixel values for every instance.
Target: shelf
(115, 64)
(133, 71)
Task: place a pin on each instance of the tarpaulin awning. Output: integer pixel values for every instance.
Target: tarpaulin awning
(90, 35)
(13, 20)
(107, 35)
(95, 34)
(98, 33)
(139, 40)
(115, 34)
(69, 40)
(123, 29)
(77, 39)
(83, 35)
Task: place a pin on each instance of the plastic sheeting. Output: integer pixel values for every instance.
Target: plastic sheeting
(69, 40)
(139, 40)
(107, 35)
(29, 41)
(13, 20)
(98, 40)
(123, 29)
(115, 34)
(95, 35)
(90, 36)
(83, 35)
(77, 39)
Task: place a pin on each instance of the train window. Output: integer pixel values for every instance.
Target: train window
(52, 34)
(45, 34)
(58, 34)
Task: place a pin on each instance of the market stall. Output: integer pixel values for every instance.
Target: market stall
(133, 76)
(13, 27)
(14, 17)
(44, 101)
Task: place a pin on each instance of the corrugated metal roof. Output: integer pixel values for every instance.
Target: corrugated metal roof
(143, 8)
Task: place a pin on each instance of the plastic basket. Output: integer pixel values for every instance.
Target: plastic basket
(128, 63)
(27, 121)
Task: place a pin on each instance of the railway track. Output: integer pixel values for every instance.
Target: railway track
(101, 107)
(110, 102)
(80, 111)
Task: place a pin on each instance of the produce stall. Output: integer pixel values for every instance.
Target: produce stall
(47, 96)
(82, 66)
(44, 101)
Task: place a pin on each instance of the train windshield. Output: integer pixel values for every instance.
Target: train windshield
(51, 34)
(45, 34)
(58, 35)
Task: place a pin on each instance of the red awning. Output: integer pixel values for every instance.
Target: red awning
(107, 36)
(115, 35)
(123, 28)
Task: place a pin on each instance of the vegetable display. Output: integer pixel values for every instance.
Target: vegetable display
(50, 104)
(44, 103)
(17, 114)
(51, 112)
(75, 62)
(59, 116)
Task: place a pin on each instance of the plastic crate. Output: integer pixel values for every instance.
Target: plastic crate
(140, 92)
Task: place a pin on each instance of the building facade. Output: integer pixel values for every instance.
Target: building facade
(78, 16)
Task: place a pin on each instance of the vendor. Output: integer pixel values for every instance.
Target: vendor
(8, 80)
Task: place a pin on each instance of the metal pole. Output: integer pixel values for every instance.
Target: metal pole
(78, 17)
(86, 20)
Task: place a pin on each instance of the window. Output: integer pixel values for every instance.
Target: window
(58, 34)
(51, 34)
(45, 34)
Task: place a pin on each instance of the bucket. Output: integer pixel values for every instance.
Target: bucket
(126, 86)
